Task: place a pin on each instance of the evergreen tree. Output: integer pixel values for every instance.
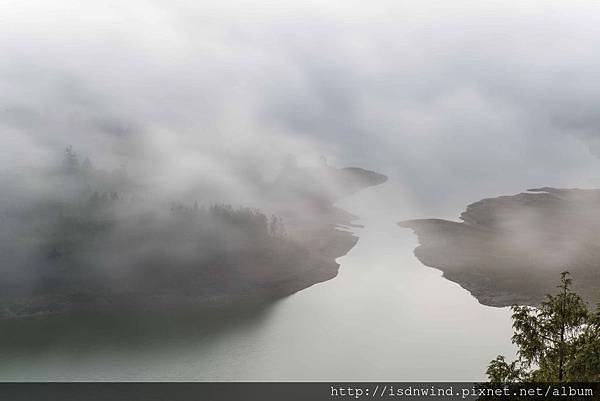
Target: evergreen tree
(557, 341)
(87, 166)
(71, 161)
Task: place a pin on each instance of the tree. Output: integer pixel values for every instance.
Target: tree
(586, 362)
(276, 227)
(557, 341)
(500, 371)
(87, 166)
(71, 161)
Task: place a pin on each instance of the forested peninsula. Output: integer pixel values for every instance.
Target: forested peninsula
(509, 249)
(90, 239)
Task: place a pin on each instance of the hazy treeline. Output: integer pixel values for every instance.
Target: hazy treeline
(92, 235)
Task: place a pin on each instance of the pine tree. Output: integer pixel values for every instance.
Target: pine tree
(71, 161)
(557, 341)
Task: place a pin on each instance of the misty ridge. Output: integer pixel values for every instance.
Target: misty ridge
(506, 250)
(77, 237)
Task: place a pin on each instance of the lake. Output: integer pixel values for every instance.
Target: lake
(385, 317)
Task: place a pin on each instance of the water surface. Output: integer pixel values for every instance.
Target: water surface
(385, 317)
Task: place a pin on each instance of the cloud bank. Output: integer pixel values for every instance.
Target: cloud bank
(440, 95)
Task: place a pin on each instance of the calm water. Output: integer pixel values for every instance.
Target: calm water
(385, 317)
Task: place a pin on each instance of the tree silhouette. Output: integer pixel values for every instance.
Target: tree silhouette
(71, 161)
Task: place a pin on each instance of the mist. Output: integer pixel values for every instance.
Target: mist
(215, 156)
(185, 91)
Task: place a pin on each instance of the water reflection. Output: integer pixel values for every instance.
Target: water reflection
(385, 317)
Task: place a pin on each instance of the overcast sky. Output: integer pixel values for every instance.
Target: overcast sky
(436, 94)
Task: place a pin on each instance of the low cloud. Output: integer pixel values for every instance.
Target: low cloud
(438, 95)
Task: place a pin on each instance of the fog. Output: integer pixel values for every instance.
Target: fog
(446, 94)
(205, 101)
(185, 107)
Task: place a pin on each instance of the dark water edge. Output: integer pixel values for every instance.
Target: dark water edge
(86, 332)
(183, 321)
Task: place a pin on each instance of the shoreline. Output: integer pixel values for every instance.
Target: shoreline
(511, 249)
(318, 236)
